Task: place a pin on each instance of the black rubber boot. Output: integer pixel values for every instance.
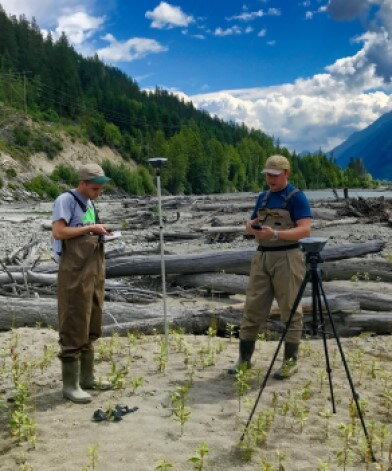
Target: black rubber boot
(289, 365)
(247, 347)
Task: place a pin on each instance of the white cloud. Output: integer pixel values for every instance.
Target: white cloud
(46, 11)
(168, 16)
(78, 26)
(307, 114)
(271, 43)
(130, 50)
(251, 15)
(228, 31)
(309, 15)
(262, 33)
(248, 29)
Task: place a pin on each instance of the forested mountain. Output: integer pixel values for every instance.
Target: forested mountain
(52, 83)
(373, 145)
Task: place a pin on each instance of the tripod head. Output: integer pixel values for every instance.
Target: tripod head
(312, 246)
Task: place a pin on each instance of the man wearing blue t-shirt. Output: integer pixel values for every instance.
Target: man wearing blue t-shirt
(280, 218)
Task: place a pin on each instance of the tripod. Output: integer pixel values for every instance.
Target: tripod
(312, 248)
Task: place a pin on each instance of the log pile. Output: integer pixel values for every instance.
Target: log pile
(372, 210)
(133, 288)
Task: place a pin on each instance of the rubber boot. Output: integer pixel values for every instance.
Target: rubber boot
(246, 347)
(87, 379)
(289, 365)
(71, 388)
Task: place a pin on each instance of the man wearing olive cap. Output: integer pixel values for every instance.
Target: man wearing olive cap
(278, 267)
(78, 247)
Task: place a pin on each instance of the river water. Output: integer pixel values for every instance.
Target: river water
(316, 195)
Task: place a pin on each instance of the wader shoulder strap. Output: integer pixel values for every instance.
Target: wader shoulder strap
(289, 196)
(265, 199)
(84, 206)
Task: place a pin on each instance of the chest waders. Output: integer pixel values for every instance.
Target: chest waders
(277, 271)
(80, 295)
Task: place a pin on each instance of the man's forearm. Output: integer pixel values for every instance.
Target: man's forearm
(294, 234)
(67, 232)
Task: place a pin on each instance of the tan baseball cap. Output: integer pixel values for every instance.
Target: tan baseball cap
(276, 164)
(93, 173)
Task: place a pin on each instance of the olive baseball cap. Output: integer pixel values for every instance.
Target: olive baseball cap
(93, 173)
(276, 164)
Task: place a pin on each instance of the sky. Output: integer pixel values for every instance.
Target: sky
(309, 72)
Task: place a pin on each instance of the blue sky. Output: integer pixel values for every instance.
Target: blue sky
(310, 72)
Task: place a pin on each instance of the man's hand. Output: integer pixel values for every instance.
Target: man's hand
(265, 233)
(99, 229)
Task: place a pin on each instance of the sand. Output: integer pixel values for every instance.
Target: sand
(65, 431)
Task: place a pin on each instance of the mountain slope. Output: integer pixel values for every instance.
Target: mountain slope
(373, 145)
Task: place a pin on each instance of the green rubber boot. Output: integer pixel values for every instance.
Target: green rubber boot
(289, 365)
(246, 347)
(71, 388)
(87, 379)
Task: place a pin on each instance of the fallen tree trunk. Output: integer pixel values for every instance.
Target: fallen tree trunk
(369, 269)
(17, 312)
(231, 261)
(370, 321)
(236, 284)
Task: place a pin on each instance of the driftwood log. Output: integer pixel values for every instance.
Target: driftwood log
(232, 261)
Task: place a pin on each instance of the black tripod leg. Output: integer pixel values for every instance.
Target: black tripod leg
(326, 353)
(348, 374)
(288, 323)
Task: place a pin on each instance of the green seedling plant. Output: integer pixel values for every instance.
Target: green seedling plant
(307, 391)
(163, 465)
(107, 348)
(21, 424)
(180, 412)
(132, 343)
(248, 445)
(241, 383)
(302, 415)
(229, 331)
(198, 459)
(383, 436)
(365, 452)
(322, 376)
(160, 357)
(326, 414)
(280, 456)
(386, 397)
(266, 465)
(322, 466)
(135, 383)
(116, 377)
(48, 356)
(344, 455)
(93, 458)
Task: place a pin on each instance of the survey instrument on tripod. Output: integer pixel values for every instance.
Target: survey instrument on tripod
(312, 246)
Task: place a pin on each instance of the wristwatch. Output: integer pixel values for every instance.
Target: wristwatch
(275, 236)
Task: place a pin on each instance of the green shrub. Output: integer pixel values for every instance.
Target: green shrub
(1, 182)
(22, 135)
(10, 172)
(46, 143)
(133, 182)
(43, 187)
(66, 174)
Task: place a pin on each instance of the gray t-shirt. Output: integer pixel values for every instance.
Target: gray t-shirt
(66, 207)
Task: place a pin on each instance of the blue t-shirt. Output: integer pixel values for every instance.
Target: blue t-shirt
(298, 205)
